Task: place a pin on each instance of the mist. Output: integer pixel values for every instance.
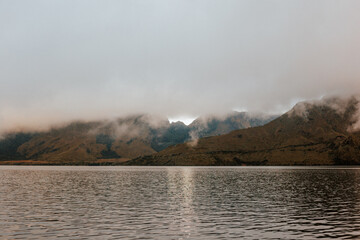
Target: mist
(87, 60)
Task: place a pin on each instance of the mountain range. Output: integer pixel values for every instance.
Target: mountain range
(115, 141)
(321, 132)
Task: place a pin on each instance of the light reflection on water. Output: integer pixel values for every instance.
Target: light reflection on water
(178, 203)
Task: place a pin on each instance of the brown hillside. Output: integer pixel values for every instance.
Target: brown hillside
(87, 143)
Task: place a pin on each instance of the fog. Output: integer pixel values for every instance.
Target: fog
(69, 60)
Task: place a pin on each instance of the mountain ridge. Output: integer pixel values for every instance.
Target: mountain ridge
(109, 142)
(312, 133)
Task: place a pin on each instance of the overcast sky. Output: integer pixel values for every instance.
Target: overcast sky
(62, 60)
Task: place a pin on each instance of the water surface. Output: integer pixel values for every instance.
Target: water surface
(179, 203)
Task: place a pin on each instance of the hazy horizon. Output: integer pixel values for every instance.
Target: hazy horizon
(89, 60)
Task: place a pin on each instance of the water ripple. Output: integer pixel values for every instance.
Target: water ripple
(179, 203)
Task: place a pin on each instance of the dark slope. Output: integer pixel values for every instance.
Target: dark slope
(9, 145)
(310, 134)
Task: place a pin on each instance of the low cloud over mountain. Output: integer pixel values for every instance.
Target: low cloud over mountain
(115, 141)
(312, 133)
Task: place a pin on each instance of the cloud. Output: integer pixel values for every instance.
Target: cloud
(339, 104)
(136, 126)
(356, 117)
(69, 60)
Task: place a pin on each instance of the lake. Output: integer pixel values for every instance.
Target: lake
(47, 202)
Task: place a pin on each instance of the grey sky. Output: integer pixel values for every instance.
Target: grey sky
(62, 60)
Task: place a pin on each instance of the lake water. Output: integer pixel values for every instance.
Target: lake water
(179, 203)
